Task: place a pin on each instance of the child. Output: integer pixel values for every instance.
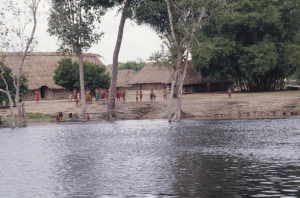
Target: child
(58, 117)
(229, 93)
(165, 94)
(70, 97)
(137, 96)
(152, 95)
(141, 96)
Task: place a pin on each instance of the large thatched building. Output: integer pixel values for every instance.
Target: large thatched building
(39, 68)
(157, 77)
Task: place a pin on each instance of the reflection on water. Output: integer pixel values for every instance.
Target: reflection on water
(220, 158)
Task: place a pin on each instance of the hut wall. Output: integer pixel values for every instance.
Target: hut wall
(46, 93)
(148, 86)
(61, 93)
(29, 96)
(136, 87)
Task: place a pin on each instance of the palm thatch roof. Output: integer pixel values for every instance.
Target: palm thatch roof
(40, 66)
(126, 75)
(120, 80)
(153, 73)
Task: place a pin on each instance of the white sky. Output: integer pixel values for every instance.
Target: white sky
(138, 41)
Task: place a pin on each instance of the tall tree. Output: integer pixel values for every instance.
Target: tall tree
(176, 22)
(73, 22)
(258, 44)
(112, 95)
(15, 40)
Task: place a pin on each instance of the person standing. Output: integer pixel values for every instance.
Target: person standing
(97, 95)
(151, 95)
(75, 92)
(208, 86)
(118, 95)
(229, 93)
(123, 95)
(70, 97)
(137, 97)
(106, 94)
(102, 95)
(141, 96)
(165, 94)
(37, 96)
(87, 95)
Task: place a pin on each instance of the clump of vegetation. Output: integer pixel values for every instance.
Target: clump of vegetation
(67, 75)
(134, 65)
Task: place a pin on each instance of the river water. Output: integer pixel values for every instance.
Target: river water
(216, 158)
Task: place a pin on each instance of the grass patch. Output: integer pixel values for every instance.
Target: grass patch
(34, 117)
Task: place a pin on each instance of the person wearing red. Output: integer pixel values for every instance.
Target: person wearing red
(118, 95)
(141, 96)
(37, 96)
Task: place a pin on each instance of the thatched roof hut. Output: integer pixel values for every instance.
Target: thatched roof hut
(153, 76)
(157, 77)
(39, 68)
(120, 81)
(126, 75)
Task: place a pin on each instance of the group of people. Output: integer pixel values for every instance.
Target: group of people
(119, 94)
(100, 95)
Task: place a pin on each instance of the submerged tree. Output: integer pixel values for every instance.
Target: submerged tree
(73, 22)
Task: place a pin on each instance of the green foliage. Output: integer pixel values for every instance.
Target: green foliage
(9, 80)
(134, 65)
(73, 22)
(256, 43)
(67, 75)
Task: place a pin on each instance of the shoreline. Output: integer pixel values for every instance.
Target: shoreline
(207, 118)
(200, 106)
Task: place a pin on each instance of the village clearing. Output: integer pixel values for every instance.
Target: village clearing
(197, 105)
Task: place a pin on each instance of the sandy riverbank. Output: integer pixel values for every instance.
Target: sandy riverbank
(200, 105)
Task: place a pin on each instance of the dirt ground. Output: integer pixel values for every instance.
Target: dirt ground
(199, 105)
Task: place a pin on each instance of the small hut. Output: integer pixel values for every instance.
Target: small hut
(158, 77)
(39, 68)
(151, 76)
(120, 81)
(126, 75)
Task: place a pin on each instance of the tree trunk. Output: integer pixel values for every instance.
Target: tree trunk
(21, 112)
(11, 104)
(177, 113)
(11, 107)
(112, 94)
(82, 88)
(171, 97)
